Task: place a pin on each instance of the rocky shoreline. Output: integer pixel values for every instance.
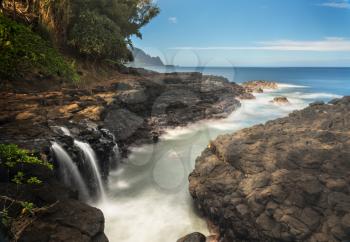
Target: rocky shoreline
(129, 110)
(287, 180)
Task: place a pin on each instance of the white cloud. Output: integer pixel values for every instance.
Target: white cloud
(172, 20)
(327, 44)
(337, 4)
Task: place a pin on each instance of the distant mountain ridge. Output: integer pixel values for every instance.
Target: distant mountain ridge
(142, 59)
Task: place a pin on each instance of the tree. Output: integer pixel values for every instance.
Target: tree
(94, 29)
(103, 28)
(96, 36)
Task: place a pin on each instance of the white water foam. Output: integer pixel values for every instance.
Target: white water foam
(69, 171)
(65, 131)
(287, 85)
(91, 160)
(315, 96)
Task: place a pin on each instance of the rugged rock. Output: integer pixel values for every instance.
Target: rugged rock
(259, 86)
(280, 100)
(194, 237)
(135, 108)
(59, 218)
(143, 108)
(65, 221)
(287, 180)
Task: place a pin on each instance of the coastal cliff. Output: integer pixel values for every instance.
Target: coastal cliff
(287, 180)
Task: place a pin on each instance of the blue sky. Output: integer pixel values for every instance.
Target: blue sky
(250, 33)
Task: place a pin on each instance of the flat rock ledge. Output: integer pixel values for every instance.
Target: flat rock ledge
(287, 180)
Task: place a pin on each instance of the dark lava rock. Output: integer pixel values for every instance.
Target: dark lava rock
(65, 221)
(287, 180)
(194, 237)
(160, 101)
(57, 215)
(280, 100)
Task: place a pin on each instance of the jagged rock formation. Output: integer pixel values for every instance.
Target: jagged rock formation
(259, 86)
(287, 180)
(157, 101)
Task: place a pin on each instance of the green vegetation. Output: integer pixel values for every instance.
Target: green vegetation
(5, 218)
(27, 207)
(96, 35)
(103, 29)
(22, 50)
(11, 159)
(10, 155)
(94, 30)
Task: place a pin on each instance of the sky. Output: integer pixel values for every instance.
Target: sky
(249, 33)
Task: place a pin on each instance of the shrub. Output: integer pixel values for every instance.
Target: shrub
(22, 50)
(10, 155)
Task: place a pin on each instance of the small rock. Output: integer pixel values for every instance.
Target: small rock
(194, 237)
(280, 100)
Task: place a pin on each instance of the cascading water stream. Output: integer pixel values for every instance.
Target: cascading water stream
(91, 159)
(65, 131)
(69, 171)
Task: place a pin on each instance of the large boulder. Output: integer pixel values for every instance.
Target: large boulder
(56, 215)
(65, 221)
(287, 180)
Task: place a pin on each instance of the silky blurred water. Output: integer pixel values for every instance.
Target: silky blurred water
(148, 198)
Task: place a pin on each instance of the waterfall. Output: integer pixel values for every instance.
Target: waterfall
(116, 157)
(69, 171)
(91, 159)
(65, 131)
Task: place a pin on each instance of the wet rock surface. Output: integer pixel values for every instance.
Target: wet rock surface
(194, 237)
(142, 109)
(280, 100)
(259, 86)
(57, 214)
(287, 180)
